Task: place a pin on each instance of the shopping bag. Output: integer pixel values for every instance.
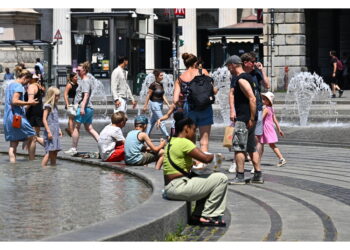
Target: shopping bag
(228, 136)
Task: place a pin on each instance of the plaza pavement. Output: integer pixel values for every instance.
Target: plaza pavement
(307, 200)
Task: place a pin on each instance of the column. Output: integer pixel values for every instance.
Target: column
(227, 17)
(149, 41)
(189, 34)
(61, 21)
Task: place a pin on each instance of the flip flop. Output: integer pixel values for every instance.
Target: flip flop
(212, 222)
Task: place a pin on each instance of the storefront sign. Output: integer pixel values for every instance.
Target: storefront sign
(180, 13)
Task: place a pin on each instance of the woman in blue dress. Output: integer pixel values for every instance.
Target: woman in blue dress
(14, 105)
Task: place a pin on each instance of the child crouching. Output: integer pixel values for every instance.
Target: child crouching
(52, 131)
(111, 141)
(136, 153)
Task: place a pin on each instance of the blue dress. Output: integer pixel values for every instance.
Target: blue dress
(52, 120)
(26, 130)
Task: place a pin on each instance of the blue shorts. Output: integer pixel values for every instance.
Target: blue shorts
(202, 118)
(85, 119)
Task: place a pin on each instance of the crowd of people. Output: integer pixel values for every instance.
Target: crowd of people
(30, 107)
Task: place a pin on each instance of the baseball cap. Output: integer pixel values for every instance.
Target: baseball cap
(233, 60)
(140, 119)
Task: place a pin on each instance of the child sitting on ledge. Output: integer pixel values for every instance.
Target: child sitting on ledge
(111, 141)
(136, 153)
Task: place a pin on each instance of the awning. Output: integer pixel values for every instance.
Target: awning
(235, 39)
(15, 43)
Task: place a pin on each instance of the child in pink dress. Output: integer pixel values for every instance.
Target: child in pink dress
(269, 134)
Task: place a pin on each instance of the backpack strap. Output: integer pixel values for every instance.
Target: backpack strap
(176, 166)
(200, 71)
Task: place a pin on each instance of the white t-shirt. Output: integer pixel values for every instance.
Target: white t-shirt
(108, 138)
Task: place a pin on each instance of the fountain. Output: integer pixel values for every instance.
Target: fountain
(308, 98)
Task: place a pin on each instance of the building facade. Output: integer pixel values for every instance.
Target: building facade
(292, 40)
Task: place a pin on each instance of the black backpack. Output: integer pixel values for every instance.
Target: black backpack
(201, 92)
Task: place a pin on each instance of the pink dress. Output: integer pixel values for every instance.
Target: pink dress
(269, 132)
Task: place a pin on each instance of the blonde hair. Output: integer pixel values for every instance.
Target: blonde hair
(50, 96)
(24, 73)
(85, 66)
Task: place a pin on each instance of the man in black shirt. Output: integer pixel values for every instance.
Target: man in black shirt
(256, 70)
(243, 112)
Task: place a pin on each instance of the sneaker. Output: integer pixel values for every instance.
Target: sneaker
(334, 96)
(236, 181)
(281, 162)
(252, 171)
(71, 151)
(341, 93)
(257, 179)
(232, 168)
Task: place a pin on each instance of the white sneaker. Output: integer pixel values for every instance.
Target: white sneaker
(281, 162)
(71, 151)
(252, 171)
(232, 168)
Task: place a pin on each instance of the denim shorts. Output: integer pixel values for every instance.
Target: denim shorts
(244, 139)
(85, 119)
(201, 118)
(259, 124)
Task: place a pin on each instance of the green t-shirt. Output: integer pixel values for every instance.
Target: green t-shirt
(180, 147)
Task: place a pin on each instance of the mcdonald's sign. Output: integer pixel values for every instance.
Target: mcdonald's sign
(180, 13)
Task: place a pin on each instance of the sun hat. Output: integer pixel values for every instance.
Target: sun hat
(141, 119)
(269, 95)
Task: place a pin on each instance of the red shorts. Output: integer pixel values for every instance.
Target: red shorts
(117, 155)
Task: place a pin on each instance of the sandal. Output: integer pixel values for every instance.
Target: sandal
(213, 222)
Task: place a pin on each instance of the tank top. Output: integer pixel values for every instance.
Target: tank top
(158, 92)
(133, 147)
(38, 108)
(73, 90)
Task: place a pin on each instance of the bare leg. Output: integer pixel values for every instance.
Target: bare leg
(259, 146)
(240, 159)
(12, 151)
(37, 131)
(45, 160)
(92, 131)
(276, 150)
(160, 159)
(53, 157)
(75, 135)
(31, 147)
(71, 124)
(255, 160)
(204, 133)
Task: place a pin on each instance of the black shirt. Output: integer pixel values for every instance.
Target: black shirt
(158, 92)
(241, 101)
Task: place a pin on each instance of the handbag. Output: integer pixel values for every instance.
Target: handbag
(228, 136)
(16, 121)
(72, 109)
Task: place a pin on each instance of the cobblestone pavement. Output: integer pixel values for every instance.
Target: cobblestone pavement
(307, 200)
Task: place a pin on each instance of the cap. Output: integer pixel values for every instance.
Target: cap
(233, 60)
(35, 76)
(269, 95)
(140, 119)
